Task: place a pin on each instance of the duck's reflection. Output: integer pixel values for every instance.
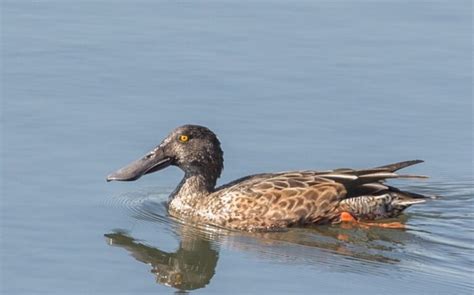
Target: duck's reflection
(193, 264)
(190, 267)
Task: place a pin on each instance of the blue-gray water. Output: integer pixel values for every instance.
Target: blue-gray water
(88, 86)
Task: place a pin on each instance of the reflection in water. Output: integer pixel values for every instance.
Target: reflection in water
(350, 241)
(192, 266)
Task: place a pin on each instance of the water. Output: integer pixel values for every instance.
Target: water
(88, 86)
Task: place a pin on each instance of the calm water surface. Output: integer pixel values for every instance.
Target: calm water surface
(88, 86)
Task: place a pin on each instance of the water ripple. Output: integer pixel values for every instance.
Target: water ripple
(148, 204)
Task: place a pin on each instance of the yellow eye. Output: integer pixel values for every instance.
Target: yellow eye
(183, 138)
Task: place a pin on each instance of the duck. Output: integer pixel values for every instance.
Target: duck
(268, 201)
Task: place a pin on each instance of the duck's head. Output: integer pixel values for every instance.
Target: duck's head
(195, 149)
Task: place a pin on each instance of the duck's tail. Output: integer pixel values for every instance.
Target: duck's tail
(388, 204)
(369, 198)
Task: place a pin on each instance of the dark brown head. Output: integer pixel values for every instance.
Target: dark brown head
(195, 149)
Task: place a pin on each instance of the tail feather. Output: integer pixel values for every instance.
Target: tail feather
(384, 175)
(410, 195)
(400, 165)
(406, 203)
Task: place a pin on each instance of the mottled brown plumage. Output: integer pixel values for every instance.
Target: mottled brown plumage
(267, 201)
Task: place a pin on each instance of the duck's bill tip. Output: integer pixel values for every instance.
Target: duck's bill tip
(115, 177)
(112, 178)
(138, 168)
(131, 172)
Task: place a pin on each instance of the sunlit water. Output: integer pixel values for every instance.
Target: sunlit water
(88, 86)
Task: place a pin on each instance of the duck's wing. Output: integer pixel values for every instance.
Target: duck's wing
(369, 181)
(355, 181)
(274, 201)
(282, 199)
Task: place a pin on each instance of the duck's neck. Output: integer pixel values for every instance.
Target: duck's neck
(193, 189)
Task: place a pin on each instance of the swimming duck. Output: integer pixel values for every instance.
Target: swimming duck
(268, 201)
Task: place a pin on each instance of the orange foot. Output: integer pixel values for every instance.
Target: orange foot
(347, 217)
(395, 225)
(347, 220)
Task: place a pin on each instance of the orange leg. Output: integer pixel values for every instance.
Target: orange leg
(347, 217)
(347, 221)
(395, 225)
